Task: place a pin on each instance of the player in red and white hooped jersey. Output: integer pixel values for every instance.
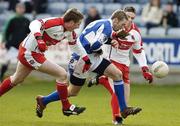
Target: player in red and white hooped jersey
(46, 32)
(119, 56)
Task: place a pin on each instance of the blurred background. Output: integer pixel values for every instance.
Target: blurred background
(158, 21)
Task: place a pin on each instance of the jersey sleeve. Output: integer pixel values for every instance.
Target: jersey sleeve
(137, 46)
(41, 24)
(75, 45)
(138, 50)
(35, 26)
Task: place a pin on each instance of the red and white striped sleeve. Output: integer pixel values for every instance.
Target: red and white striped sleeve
(138, 50)
(41, 24)
(75, 45)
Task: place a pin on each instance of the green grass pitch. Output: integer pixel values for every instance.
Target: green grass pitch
(161, 106)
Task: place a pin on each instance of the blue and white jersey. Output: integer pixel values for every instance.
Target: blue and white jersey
(96, 34)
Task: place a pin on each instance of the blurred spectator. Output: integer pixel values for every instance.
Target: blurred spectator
(27, 3)
(178, 3)
(169, 17)
(12, 4)
(93, 15)
(39, 6)
(16, 30)
(152, 14)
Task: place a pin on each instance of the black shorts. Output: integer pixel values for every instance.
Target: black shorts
(102, 66)
(99, 70)
(76, 80)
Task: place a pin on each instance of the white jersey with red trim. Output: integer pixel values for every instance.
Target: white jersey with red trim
(53, 32)
(134, 43)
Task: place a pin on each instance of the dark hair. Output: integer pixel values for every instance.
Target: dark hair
(73, 15)
(119, 14)
(130, 9)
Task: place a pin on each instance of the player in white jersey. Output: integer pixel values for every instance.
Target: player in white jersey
(46, 32)
(92, 38)
(120, 58)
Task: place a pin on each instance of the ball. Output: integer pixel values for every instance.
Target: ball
(160, 69)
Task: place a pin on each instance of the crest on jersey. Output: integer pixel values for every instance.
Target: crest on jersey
(55, 34)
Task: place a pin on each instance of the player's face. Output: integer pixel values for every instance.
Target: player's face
(131, 16)
(70, 26)
(117, 25)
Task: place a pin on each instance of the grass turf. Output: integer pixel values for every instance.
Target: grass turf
(160, 106)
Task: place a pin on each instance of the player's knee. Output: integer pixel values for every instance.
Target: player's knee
(62, 77)
(117, 75)
(72, 94)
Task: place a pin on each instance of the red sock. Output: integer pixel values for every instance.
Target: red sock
(115, 106)
(105, 82)
(63, 94)
(114, 101)
(5, 86)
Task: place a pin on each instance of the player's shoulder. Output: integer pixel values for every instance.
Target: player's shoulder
(135, 32)
(53, 21)
(135, 27)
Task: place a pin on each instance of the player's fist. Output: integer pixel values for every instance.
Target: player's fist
(115, 43)
(41, 44)
(147, 75)
(87, 64)
(121, 34)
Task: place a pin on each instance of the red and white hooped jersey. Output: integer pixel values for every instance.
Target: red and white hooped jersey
(133, 42)
(52, 30)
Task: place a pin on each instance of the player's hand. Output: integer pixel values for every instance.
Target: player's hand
(115, 43)
(41, 44)
(147, 75)
(121, 34)
(87, 64)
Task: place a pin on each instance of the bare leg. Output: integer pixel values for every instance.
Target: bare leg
(21, 73)
(55, 70)
(127, 92)
(73, 90)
